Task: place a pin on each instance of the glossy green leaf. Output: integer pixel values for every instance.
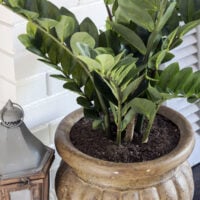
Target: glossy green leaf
(59, 77)
(131, 10)
(88, 26)
(187, 27)
(131, 88)
(47, 23)
(65, 27)
(166, 16)
(73, 87)
(28, 14)
(141, 106)
(167, 75)
(154, 95)
(92, 64)
(177, 82)
(107, 62)
(85, 50)
(16, 3)
(109, 1)
(130, 36)
(83, 102)
(97, 123)
(81, 37)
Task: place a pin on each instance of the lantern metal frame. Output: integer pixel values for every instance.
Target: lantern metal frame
(36, 183)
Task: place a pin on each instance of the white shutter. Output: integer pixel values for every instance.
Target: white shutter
(188, 54)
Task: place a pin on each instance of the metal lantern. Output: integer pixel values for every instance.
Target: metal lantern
(24, 160)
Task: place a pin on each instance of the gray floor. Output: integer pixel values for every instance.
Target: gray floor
(196, 174)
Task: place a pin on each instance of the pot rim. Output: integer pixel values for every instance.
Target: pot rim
(78, 160)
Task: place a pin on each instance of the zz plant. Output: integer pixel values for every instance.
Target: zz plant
(116, 73)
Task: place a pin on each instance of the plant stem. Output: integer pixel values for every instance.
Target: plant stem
(119, 132)
(149, 126)
(108, 11)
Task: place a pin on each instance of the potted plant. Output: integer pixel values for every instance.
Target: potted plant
(118, 76)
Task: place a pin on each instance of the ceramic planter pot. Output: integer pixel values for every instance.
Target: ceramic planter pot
(81, 177)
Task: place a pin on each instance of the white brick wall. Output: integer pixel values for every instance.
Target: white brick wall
(26, 81)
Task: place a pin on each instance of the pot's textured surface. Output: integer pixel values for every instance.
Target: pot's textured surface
(87, 178)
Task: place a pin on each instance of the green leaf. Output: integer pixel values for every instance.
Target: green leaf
(104, 50)
(167, 75)
(108, 2)
(186, 9)
(177, 82)
(47, 23)
(131, 88)
(131, 10)
(141, 106)
(31, 29)
(104, 88)
(16, 3)
(192, 99)
(107, 62)
(166, 15)
(81, 37)
(90, 113)
(154, 95)
(84, 102)
(28, 14)
(130, 36)
(92, 64)
(59, 77)
(88, 26)
(187, 27)
(129, 116)
(65, 27)
(73, 87)
(25, 40)
(50, 64)
(48, 10)
(97, 123)
(85, 50)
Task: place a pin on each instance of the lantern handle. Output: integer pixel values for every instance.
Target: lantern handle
(10, 125)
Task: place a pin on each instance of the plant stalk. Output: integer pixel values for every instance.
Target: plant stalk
(149, 126)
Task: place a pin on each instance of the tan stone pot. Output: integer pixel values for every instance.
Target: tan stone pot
(87, 178)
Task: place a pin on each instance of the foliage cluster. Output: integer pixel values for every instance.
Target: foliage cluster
(116, 72)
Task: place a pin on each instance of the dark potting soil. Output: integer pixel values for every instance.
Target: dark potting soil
(164, 137)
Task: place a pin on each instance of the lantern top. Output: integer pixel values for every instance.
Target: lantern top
(12, 115)
(21, 153)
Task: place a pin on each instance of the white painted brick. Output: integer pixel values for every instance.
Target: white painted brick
(65, 3)
(7, 66)
(31, 89)
(27, 65)
(49, 108)
(10, 42)
(7, 91)
(96, 11)
(9, 17)
(52, 128)
(54, 85)
(88, 1)
(42, 133)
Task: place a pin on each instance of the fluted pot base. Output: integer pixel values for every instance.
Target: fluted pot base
(177, 187)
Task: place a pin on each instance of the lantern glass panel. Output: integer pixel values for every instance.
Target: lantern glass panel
(21, 195)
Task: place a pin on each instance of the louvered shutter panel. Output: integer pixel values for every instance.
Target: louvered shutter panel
(188, 55)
